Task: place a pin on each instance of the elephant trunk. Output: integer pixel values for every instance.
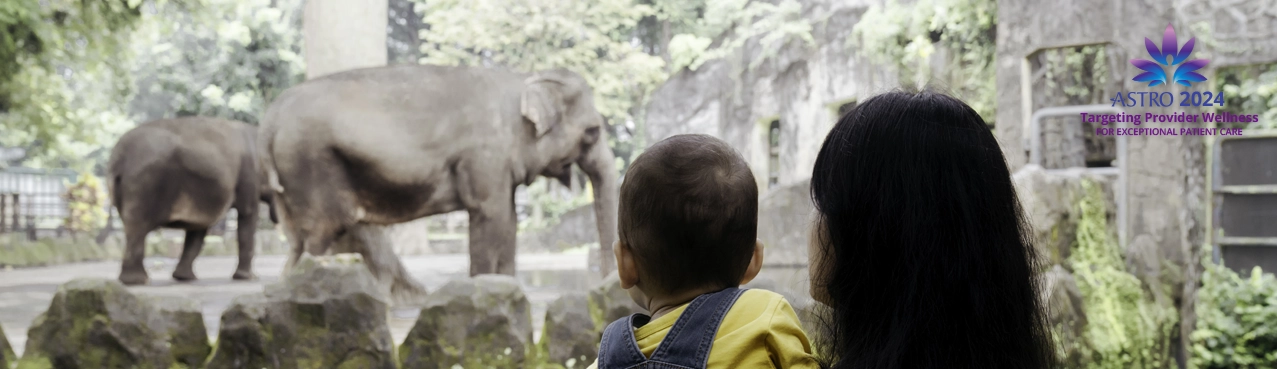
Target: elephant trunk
(600, 165)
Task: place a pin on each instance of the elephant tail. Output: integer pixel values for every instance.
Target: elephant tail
(114, 189)
(272, 174)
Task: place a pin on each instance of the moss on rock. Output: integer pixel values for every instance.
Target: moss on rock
(569, 333)
(480, 322)
(7, 358)
(188, 338)
(327, 313)
(97, 323)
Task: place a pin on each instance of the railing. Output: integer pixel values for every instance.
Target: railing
(31, 200)
(1035, 152)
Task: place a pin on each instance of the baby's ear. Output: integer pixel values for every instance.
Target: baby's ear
(625, 267)
(755, 263)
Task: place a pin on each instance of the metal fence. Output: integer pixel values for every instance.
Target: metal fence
(31, 200)
(1244, 200)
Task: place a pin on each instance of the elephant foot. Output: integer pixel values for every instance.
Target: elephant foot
(184, 275)
(244, 275)
(134, 278)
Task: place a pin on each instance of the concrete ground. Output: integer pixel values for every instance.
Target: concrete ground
(25, 293)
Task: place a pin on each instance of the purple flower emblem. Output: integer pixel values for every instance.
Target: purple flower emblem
(1169, 55)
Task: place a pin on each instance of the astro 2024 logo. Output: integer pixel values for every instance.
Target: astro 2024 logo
(1170, 55)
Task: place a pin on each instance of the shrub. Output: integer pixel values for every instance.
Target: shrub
(85, 204)
(1236, 319)
(1125, 326)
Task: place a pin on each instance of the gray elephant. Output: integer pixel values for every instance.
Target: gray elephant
(185, 173)
(386, 145)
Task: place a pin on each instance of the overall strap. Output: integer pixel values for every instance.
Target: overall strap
(619, 349)
(690, 339)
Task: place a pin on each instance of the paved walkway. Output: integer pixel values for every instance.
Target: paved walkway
(25, 293)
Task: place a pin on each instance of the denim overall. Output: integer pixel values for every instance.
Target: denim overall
(685, 347)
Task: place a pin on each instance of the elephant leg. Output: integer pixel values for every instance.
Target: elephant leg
(246, 232)
(493, 230)
(292, 233)
(373, 243)
(190, 249)
(132, 272)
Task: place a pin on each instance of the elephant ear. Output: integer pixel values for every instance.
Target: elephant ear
(541, 103)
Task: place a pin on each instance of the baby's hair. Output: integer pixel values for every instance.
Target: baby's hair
(689, 214)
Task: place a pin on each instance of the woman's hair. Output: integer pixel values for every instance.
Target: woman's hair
(927, 261)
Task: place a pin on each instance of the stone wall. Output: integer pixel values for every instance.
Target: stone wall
(1164, 204)
(801, 86)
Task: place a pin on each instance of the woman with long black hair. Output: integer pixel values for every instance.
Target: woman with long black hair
(920, 248)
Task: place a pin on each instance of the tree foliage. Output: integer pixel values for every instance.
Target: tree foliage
(906, 36)
(1250, 90)
(227, 59)
(75, 75)
(727, 25)
(63, 69)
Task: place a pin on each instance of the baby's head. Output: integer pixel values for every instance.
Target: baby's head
(688, 220)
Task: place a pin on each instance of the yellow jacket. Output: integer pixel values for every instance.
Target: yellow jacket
(760, 331)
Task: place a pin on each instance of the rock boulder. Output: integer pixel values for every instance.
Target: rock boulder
(1049, 197)
(1066, 315)
(7, 358)
(184, 322)
(328, 312)
(609, 302)
(97, 323)
(569, 337)
(785, 215)
(480, 322)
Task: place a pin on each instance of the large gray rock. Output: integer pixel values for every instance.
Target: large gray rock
(1157, 275)
(1049, 197)
(785, 216)
(569, 336)
(328, 312)
(97, 323)
(7, 357)
(609, 302)
(480, 322)
(1066, 315)
(184, 322)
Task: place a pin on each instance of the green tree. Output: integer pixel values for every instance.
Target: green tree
(727, 25)
(1249, 90)
(905, 36)
(63, 69)
(227, 59)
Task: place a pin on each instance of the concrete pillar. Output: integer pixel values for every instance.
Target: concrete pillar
(342, 35)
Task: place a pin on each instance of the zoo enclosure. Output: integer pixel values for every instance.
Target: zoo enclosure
(31, 200)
